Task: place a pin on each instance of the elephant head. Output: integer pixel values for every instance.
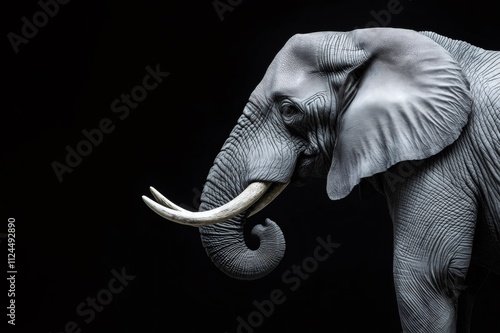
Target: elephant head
(340, 105)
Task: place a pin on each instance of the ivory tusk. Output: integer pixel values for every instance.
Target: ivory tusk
(270, 195)
(241, 203)
(165, 202)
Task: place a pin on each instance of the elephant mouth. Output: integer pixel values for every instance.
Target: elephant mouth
(308, 167)
(254, 198)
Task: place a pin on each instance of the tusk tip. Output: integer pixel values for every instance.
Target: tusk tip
(156, 195)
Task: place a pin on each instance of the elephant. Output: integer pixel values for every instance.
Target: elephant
(365, 107)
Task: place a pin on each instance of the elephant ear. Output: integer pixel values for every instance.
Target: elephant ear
(403, 97)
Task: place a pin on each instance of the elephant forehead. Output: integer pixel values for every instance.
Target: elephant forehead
(292, 80)
(294, 72)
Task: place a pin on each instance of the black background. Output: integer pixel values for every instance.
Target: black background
(71, 235)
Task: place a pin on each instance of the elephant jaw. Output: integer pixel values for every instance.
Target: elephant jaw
(254, 198)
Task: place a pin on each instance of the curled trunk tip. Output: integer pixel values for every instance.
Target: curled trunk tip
(225, 245)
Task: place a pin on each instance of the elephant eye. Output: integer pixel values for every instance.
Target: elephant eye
(288, 110)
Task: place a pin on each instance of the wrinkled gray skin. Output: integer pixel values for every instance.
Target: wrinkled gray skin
(349, 106)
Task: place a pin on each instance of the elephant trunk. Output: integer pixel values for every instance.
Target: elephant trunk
(225, 241)
(243, 179)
